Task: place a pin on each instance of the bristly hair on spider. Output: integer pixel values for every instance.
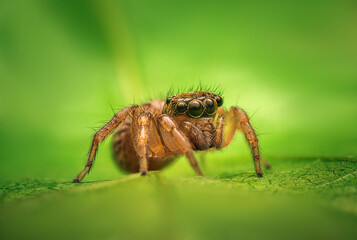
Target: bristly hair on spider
(217, 89)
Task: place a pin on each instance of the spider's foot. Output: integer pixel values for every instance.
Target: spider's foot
(143, 174)
(75, 180)
(260, 174)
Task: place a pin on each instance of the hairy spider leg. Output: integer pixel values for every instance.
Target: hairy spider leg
(100, 136)
(143, 132)
(176, 141)
(237, 119)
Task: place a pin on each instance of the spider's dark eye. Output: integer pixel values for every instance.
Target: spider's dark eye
(181, 107)
(168, 100)
(219, 101)
(210, 106)
(195, 109)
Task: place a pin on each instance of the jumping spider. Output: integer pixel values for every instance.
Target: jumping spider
(151, 136)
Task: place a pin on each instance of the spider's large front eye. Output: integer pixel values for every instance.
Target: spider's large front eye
(210, 106)
(195, 108)
(181, 107)
(219, 101)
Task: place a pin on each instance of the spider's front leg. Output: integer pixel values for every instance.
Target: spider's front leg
(100, 136)
(238, 119)
(176, 141)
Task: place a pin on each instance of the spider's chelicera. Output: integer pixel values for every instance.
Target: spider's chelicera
(151, 136)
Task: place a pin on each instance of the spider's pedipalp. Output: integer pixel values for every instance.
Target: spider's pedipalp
(176, 141)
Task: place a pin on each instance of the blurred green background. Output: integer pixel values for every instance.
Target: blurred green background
(66, 65)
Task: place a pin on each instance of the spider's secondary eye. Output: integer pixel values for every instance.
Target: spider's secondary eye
(210, 106)
(195, 109)
(219, 101)
(168, 100)
(181, 107)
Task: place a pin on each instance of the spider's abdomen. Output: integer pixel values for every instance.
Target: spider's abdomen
(123, 149)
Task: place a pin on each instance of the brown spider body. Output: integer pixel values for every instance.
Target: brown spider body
(151, 136)
(124, 147)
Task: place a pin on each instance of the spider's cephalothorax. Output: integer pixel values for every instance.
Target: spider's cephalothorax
(193, 104)
(151, 136)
